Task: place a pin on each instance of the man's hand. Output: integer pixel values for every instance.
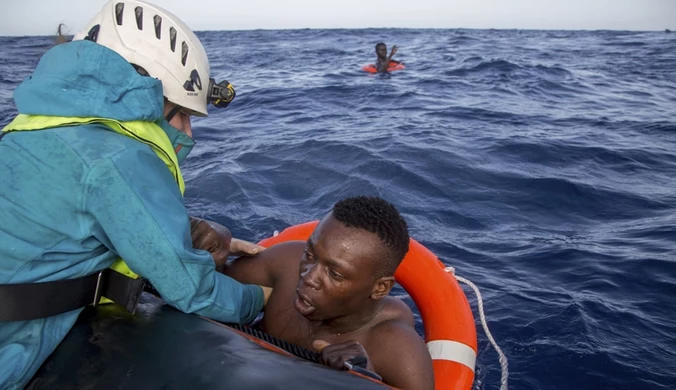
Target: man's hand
(394, 51)
(211, 237)
(336, 355)
(217, 240)
(243, 248)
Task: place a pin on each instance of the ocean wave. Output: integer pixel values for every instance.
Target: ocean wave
(540, 164)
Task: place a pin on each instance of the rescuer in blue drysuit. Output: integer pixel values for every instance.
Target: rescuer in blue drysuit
(89, 174)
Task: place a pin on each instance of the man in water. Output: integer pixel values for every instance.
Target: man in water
(330, 293)
(383, 61)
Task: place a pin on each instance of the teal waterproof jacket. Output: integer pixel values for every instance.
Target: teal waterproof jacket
(74, 199)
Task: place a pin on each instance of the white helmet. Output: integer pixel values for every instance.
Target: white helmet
(158, 42)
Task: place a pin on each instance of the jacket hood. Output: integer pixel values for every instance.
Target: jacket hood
(85, 79)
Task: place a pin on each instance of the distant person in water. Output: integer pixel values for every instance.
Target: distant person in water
(331, 292)
(383, 61)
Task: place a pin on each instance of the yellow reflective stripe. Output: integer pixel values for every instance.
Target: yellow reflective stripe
(148, 133)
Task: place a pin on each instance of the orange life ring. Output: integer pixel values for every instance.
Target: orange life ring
(392, 66)
(450, 332)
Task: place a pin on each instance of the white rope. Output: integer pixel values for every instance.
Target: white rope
(482, 316)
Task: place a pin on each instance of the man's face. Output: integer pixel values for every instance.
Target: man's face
(337, 270)
(381, 51)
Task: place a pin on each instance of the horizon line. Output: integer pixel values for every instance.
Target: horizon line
(666, 29)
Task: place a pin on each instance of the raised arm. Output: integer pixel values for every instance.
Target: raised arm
(385, 64)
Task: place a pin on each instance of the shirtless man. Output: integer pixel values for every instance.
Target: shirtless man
(382, 60)
(330, 293)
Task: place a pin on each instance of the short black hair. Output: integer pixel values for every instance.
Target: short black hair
(380, 44)
(378, 216)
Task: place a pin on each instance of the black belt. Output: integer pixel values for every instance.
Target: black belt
(30, 301)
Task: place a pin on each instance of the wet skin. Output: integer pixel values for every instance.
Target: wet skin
(328, 289)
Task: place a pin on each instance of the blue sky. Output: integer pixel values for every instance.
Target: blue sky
(40, 17)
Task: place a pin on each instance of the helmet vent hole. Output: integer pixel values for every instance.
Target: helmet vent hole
(184, 53)
(172, 39)
(140, 70)
(139, 17)
(158, 26)
(119, 8)
(93, 33)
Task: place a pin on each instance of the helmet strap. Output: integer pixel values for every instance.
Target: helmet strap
(172, 113)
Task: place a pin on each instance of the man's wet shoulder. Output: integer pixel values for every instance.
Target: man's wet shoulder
(395, 310)
(285, 252)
